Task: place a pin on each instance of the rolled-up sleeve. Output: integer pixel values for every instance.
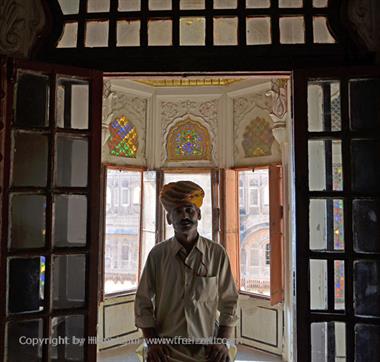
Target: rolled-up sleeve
(144, 308)
(228, 294)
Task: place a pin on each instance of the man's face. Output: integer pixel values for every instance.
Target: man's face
(184, 217)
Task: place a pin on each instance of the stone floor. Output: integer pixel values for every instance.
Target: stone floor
(127, 354)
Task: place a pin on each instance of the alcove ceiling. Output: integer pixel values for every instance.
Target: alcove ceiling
(203, 83)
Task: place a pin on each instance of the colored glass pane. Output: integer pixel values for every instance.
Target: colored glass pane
(42, 274)
(339, 284)
(188, 140)
(123, 138)
(338, 225)
(258, 138)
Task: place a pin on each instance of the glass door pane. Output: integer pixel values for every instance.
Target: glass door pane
(254, 214)
(122, 236)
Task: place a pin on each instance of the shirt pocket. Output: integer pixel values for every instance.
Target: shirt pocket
(206, 288)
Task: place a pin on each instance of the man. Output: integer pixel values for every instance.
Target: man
(185, 281)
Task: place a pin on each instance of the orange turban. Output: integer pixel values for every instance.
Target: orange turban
(175, 193)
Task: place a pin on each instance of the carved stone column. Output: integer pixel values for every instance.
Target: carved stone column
(107, 110)
(279, 114)
(280, 117)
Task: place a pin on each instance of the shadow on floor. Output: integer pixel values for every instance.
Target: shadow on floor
(127, 354)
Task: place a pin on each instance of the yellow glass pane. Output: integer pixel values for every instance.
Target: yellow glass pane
(69, 36)
(96, 34)
(257, 4)
(225, 4)
(160, 4)
(320, 3)
(129, 5)
(192, 4)
(192, 31)
(128, 33)
(160, 32)
(290, 3)
(321, 32)
(292, 30)
(69, 7)
(258, 30)
(96, 6)
(225, 31)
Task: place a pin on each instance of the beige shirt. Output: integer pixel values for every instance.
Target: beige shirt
(180, 295)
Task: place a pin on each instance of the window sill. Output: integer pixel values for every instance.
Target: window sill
(119, 294)
(253, 295)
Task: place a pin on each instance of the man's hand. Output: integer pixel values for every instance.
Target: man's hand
(157, 353)
(218, 353)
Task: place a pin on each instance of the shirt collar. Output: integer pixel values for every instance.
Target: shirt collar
(177, 246)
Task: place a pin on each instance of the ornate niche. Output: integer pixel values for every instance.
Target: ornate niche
(257, 138)
(124, 126)
(188, 140)
(253, 138)
(189, 131)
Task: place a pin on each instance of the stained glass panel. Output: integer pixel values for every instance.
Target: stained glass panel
(328, 342)
(326, 224)
(123, 141)
(188, 140)
(339, 284)
(258, 138)
(338, 225)
(25, 285)
(325, 165)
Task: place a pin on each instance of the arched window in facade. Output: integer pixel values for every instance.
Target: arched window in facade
(123, 141)
(188, 140)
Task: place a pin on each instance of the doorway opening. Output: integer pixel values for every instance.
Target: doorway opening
(231, 133)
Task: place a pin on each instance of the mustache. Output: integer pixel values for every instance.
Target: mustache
(184, 221)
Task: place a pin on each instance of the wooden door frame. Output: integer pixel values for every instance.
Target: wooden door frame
(9, 66)
(303, 253)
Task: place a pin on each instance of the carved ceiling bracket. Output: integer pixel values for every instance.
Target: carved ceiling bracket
(363, 16)
(21, 22)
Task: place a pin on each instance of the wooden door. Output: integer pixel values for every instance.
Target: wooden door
(337, 160)
(50, 212)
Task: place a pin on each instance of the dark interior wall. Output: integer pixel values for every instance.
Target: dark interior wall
(29, 37)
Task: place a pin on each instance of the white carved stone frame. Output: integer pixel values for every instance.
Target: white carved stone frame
(204, 112)
(245, 109)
